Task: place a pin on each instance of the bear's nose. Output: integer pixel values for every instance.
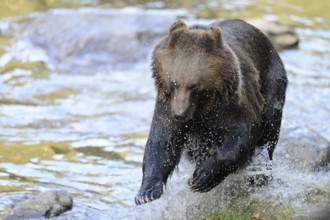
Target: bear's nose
(180, 116)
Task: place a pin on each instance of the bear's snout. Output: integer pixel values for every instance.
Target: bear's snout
(179, 116)
(181, 112)
(181, 106)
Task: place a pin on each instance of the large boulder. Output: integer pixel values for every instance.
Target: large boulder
(92, 38)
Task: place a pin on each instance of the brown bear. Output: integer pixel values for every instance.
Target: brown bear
(220, 94)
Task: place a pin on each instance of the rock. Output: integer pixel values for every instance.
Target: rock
(94, 37)
(304, 149)
(290, 195)
(47, 204)
(290, 188)
(323, 215)
(282, 37)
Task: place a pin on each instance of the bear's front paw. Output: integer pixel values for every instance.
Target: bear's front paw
(149, 194)
(201, 181)
(205, 178)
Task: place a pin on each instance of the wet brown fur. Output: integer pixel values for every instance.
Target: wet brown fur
(206, 58)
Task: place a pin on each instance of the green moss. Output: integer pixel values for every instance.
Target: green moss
(284, 212)
(52, 97)
(99, 152)
(9, 8)
(37, 68)
(6, 189)
(61, 147)
(231, 214)
(13, 101)
(5, 211)
(136, 135)
(256, 210)
(20, 153)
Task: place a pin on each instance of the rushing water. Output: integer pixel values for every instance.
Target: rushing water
(82, 128)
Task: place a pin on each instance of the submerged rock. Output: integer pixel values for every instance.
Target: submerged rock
(47, 204)
(307, 152)
(282, 37)
(93, 38)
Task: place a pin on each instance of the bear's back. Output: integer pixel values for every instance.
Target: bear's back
(253, 48)
(248, 43)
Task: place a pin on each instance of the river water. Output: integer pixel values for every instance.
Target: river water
(78, 119)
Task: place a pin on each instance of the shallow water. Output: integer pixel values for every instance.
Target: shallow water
(84, 131)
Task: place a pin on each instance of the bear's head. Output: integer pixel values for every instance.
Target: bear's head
(194, 70)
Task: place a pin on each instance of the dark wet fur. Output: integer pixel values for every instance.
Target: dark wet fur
(222, 126)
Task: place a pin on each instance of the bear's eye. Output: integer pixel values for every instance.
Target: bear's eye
(194, 87)
(173, 85)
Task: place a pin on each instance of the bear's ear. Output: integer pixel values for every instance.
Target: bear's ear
(216, 34)
(175, 32)
(176, 26)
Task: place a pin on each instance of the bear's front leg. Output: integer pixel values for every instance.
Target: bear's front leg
(234, 153)
(161, 155)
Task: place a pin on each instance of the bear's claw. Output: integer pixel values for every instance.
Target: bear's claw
(200, 185)
(148, 196)
(204, 179)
